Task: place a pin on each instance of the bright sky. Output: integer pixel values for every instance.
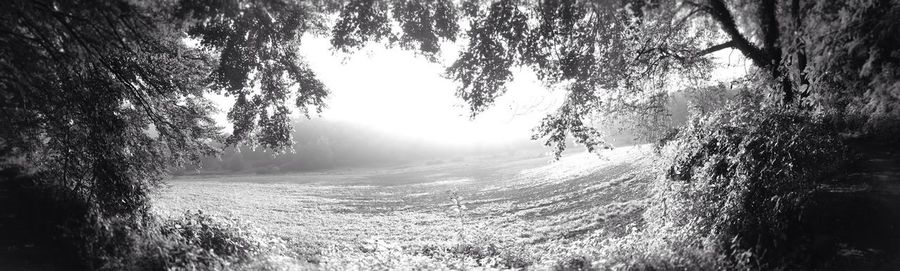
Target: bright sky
(394, 90)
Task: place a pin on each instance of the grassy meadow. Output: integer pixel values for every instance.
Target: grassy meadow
(497, 213)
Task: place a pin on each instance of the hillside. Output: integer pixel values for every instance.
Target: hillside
(489, 213)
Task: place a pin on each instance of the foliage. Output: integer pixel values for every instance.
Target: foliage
(258, 62)
(660, 248)
(193, 241)
(604, 60)
(81, 237)
(735, 186)
(616, 57)
(423, 25)
(854, 68)
(204, 237)
(100, 98)
(103, 119)
(605, 57)
(483, 253)
(103, 97)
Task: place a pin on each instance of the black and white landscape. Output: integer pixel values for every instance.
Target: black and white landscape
(449, 135)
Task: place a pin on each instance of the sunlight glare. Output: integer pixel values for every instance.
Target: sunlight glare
(398, 92)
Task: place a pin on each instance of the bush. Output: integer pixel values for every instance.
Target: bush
(575, 263)
(74, 233)
(482, 253)
(741, 175)
(193, 241)
(196, 241)
(732, 191)
(659, 248)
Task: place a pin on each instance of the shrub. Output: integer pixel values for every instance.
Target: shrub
(575, 263)
(739, 178)
(493, 255)
(731, 192)
(199, 241)
(72, 230)
(659, 248)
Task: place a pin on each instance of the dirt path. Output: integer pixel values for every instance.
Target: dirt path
(854, 222)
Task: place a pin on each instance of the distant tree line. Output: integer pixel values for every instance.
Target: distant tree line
(323, 144)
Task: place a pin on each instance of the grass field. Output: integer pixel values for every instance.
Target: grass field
(490, 213)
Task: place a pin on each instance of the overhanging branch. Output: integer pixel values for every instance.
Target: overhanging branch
(716, 48)
(719, 12)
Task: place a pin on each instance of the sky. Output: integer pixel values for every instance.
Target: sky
(398, 92)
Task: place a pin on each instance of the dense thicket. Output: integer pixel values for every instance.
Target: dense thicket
(734, 186)
(741, 176)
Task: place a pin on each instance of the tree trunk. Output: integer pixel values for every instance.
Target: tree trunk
(800, 54)
(769, 56)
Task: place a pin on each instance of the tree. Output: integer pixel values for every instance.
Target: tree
(258, 48)
(85, 83)
(99, 99)
(102, 97)
(609, 56)
(620, 56)
(109, 85)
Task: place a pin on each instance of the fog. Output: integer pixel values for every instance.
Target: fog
(390, 106)
(396, 92)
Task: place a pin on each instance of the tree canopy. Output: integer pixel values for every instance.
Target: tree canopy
(613, 57)
(102, 95)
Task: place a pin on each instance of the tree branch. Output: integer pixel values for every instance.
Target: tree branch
(719, 12)
(716, 48)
